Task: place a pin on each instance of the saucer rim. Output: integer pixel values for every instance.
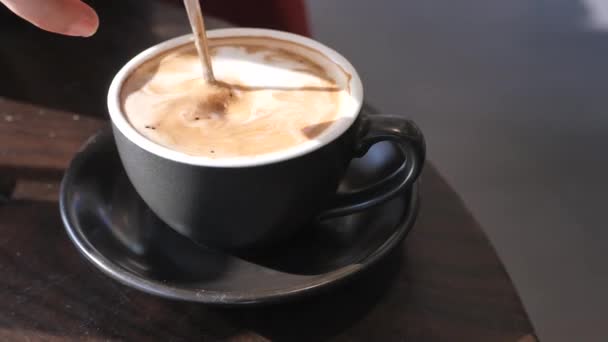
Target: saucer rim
(313, 284)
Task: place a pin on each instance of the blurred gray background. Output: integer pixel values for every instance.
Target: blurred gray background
(513, 98)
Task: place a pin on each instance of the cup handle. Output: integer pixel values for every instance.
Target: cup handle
(374, 129)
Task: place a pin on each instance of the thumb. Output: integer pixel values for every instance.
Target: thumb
(69, 17)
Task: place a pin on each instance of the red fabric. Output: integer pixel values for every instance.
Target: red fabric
(286, 15)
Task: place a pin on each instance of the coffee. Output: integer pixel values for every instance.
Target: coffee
(271, 95)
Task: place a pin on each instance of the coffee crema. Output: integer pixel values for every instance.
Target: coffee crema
(270, 95)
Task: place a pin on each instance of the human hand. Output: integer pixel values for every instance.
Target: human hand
(68, 17)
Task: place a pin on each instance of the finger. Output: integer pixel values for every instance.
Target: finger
(69, 17)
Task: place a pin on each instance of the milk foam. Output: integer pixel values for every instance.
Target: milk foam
(276, 95)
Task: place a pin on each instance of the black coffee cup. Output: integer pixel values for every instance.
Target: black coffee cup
(243, 203)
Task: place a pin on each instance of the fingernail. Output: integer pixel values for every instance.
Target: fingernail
(84, 27)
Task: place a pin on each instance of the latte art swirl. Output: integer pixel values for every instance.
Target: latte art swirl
(270, 95)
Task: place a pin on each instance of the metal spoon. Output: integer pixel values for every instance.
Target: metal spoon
(195, 15)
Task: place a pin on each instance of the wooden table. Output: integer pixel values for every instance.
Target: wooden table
(444, 283)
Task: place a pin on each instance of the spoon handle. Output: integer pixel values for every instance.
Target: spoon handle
(195, 15)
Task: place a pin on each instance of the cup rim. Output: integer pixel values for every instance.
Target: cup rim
(347, 116)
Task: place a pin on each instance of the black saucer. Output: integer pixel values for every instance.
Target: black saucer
(112, 227)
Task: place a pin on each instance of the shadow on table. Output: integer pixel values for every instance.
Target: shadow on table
(326, 315)
(446, 282)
